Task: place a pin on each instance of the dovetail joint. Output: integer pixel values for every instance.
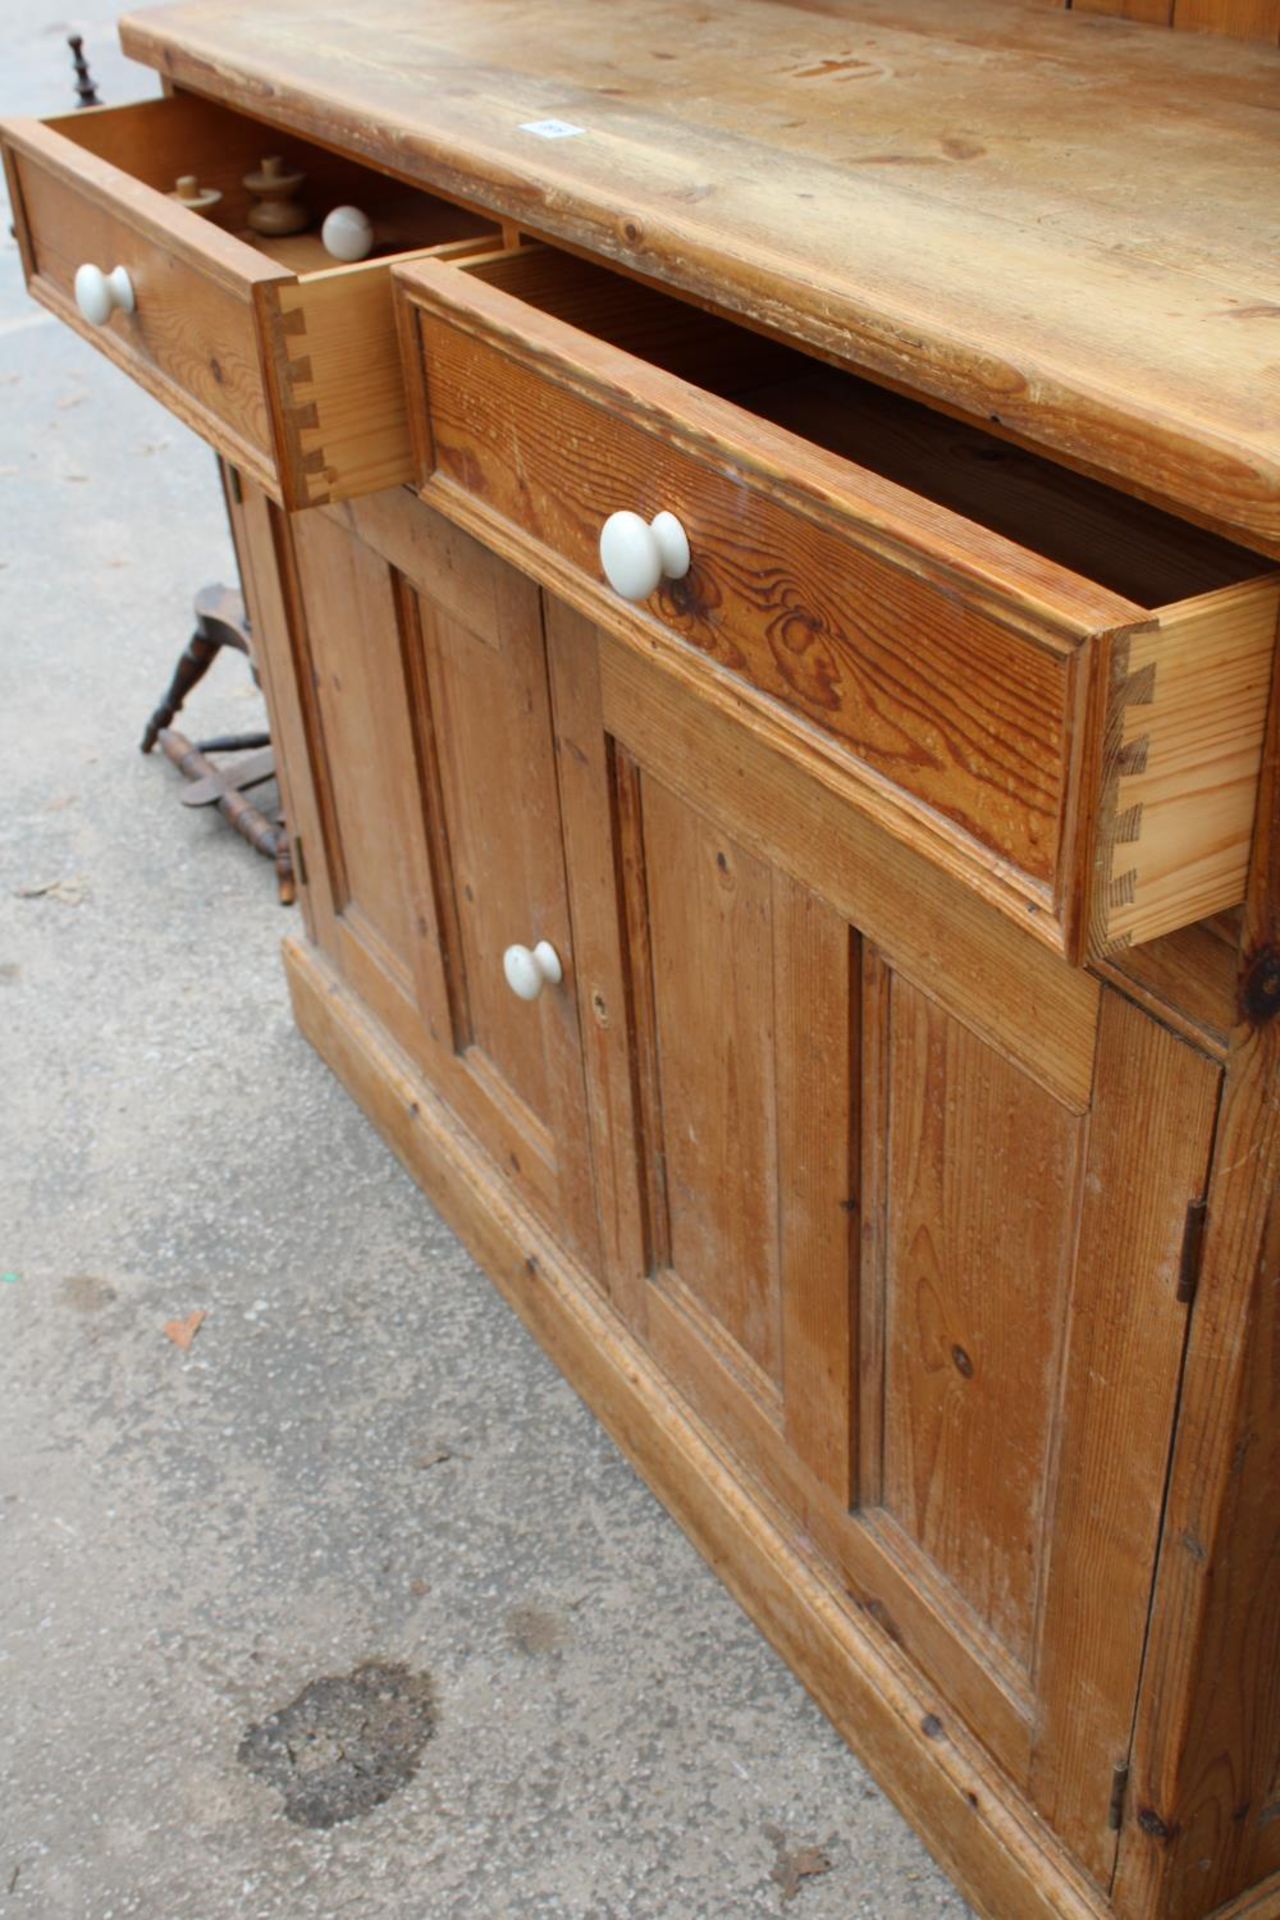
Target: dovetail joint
(1140, 687)
(1133, 756)
(1128, 825)
(1122, 888)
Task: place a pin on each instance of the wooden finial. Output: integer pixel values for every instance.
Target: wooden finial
(87, 93)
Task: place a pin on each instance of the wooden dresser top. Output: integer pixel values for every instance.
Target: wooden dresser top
(1062, 224)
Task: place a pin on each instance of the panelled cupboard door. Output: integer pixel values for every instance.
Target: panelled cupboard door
(259, 531)
(432, 721)
(919, 1273)
(351, 639)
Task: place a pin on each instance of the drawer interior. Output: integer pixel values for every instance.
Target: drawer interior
(157, 141)
(1068, 520)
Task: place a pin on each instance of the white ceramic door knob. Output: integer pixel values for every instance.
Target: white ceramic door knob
(529, 972)
(347, 234)
(99, 294)
(637, 554)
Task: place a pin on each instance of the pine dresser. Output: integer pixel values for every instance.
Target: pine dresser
(762, 535)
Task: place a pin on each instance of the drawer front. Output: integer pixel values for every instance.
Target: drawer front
(1081, 749)
(963, 713)
(280, 357)
(192, 340)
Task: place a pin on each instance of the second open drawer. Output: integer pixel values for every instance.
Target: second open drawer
(281, 357)
(1057, 692)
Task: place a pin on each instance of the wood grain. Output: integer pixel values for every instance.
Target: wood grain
(931, 928)
(1185, 747)
(293, 374)
(1202, 1827)
(1186, 979)
(481, 790)
(710, 911)
(1124, 1332)
(505, 875)
(593, 862)
(794, 1435)
(862, 175)
(818, 1066)
(981, 1193)
(923, 688)
(1157, 13)
(734, 1099)
(341, 412)
(1003, 577)
(1243, 19)
(191, 341)
(264, 556)
(379, 876)
(1142, 833)
(963, 860)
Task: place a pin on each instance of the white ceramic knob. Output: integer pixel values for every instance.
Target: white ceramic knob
(347, 234)
(99, 294)
(529, 972)
(636, 554)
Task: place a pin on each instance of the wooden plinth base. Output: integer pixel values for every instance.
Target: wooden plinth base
(973, 1821)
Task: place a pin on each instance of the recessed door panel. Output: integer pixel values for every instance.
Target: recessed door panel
(352, 648)
(982, 1184)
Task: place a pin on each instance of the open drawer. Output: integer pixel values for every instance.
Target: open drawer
(1054, 690)
(281, 357)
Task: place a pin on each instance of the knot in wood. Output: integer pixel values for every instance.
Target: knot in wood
(1260, 986)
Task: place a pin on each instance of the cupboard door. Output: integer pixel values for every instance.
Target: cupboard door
(721, 1026)
(1022, 1345)
(259, 531)
(351, 636)
(421, 675)
(915, 1267)
(471, 760)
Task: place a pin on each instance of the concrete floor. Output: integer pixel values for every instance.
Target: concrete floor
(362, 1457)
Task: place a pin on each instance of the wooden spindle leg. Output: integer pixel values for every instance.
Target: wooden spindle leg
(194, 663)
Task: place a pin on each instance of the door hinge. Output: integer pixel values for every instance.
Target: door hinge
(1119, 1787)
(299, 861)
(234, 484)
(1192, 1248)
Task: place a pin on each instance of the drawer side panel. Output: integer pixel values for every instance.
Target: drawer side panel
(1184, 749)
(344, 425)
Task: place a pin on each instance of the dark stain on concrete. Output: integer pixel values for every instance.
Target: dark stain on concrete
(795, 1864)
(86, 1293)
(346, 1744)
(536, 1629)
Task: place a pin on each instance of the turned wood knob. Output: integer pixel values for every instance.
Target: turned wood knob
(347, 234)
(528, 972)
(275, 210)
(637, 554)
(99, 294)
